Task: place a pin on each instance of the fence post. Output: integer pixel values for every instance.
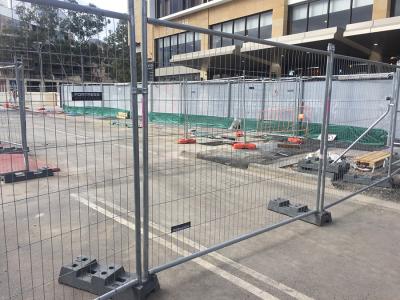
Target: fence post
(393, 120)
(135, 140)
(19, 74)
(151, 97)
(150, 283)
(264, 94)
(323, 151)
(229, 98)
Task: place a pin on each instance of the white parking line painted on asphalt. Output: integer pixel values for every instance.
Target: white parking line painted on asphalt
(201, 262)
(62, 131)
(256, 275)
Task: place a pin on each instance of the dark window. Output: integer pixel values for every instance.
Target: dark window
(197, 42)
(227, 27)
(33, 86)
(395, 8)
(160, 52)
(167, 7)
(258, 26)
(167, 51)
(176, 5)
(182, 43)
(318, 15)
(339, 13)
(266, 25)
(298, 18)
(174, 45)
(253, 23)
(239, 28)
(361, 10)
(189, 42)
(216, 40)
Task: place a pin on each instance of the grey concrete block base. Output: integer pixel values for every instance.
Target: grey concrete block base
(140, 292)
(283, 206)
(86, 274)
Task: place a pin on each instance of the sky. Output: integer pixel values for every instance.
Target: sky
(114, 5)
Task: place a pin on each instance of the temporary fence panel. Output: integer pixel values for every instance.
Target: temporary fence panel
(204, 191)
(218, 100)
(367, 109)
(235, 142)
(10, 118)
(81, 209)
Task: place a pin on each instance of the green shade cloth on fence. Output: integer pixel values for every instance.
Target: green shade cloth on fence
(104, 112)
(344, 133)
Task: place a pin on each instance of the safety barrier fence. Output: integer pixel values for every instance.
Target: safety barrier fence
(205, 164)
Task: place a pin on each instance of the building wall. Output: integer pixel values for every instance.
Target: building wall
(381, 9)
(239, 8)
(224, 12)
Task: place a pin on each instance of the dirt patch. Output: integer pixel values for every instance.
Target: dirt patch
(266, 153)
(390, 194)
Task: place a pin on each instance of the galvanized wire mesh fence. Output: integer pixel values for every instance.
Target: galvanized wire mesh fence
(236, 141)
(10, 133)
(208, 185)
(67, 219)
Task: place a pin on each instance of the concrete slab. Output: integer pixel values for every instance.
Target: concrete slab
(88, 208)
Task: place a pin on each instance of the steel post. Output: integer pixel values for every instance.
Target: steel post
(19, 74)
(135, 134)
(264, 95)
(323, 151)
(393, 121)
(145, 109)
(229, 99)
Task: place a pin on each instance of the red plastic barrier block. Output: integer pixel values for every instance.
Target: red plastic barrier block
(186, 141)
(295, 140)
(244, 146)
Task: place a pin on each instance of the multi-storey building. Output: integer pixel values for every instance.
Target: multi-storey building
(362, 28)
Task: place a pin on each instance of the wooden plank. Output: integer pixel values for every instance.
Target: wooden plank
(373, 159)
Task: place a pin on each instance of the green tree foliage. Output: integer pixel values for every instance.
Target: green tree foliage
(67, 40)
(118, 52)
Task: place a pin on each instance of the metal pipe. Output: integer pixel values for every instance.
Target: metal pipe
(364, 134)
(135, 140)
(117, 290)
(19, 74)
(145, 124)
(393, 121)
(80, 8)
(186, 27)
(7, 67)
(229, 99)
(323, 151)
(228, 243)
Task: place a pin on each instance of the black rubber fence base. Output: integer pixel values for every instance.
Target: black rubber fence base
(22, 176)
(283, 206)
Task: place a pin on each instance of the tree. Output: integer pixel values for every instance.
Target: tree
(50, 30)
(81, 25)
(118, 51)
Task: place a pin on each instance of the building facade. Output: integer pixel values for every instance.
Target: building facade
(363, 28)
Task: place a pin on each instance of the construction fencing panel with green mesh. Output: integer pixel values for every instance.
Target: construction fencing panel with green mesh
(271, 105)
